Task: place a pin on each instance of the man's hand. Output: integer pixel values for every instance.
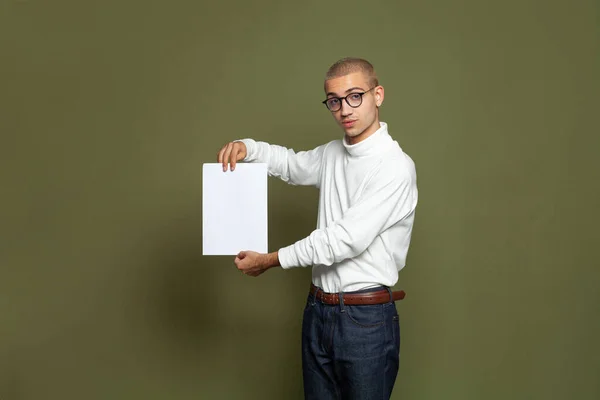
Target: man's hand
(253, 263)
(231, 153)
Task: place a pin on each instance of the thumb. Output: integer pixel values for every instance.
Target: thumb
(241, 255)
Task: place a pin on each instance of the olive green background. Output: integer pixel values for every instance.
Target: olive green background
(110, 108)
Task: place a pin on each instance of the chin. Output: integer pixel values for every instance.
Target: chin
(353, 132)
(349, 131)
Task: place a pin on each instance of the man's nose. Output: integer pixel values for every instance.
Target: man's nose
(346, 109)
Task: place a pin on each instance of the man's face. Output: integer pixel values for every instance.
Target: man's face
(357, 122)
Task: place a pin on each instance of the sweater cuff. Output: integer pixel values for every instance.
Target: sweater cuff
(287, 257)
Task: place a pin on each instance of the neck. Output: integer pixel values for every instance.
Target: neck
(365, 134)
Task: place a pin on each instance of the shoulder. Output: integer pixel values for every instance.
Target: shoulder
(396, 165)
(334, 145)
(332, 148)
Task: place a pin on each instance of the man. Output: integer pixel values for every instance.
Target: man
(367, 201)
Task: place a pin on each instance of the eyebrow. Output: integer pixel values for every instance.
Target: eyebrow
(347, 91)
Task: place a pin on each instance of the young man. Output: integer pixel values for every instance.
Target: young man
(367, 201)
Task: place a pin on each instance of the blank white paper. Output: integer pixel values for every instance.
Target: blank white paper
(234, 209)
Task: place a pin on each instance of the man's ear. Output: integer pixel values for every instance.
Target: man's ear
(379, 95)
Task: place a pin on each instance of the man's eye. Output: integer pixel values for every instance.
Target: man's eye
(333, 102)
(355, 96)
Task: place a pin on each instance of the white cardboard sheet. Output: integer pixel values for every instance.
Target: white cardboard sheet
(234, 209)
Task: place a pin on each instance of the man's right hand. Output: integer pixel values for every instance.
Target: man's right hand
(231, 153)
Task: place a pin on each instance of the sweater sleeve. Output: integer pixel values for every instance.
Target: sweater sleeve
(302, 168)
(387, 199)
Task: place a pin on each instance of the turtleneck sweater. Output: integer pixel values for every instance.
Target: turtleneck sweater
(367, 200)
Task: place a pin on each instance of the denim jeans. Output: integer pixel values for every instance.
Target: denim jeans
(349, 352)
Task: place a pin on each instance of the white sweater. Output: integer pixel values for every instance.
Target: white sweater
(367, 201)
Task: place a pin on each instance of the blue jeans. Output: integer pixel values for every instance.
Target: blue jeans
(349, 352)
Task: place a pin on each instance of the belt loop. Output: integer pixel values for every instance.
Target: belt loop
(341, 297)
(389, 289)
(314, 301)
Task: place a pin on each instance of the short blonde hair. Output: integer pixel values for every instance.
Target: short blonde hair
(350, 65)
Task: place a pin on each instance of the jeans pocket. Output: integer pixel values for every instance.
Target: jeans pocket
(365, 316)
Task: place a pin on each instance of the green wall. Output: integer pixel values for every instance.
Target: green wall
(108, 110)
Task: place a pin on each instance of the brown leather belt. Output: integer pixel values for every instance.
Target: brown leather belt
(352, 299)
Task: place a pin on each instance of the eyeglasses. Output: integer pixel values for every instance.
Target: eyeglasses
(354, 100)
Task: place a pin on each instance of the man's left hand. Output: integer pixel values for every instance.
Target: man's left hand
(253, 263)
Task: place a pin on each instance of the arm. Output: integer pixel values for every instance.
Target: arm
(387, 199)
(302, 168)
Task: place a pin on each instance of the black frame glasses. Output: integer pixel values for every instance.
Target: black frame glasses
(339, 100)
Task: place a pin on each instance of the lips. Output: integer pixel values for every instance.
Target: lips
(348, 124)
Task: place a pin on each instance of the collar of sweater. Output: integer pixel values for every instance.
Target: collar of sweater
(378, 142)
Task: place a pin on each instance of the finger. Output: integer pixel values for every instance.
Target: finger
(233, 158)
(237, 154)
(220, 154)
(226, 156)
(225, 159)
(243, 267)
(240, 266)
